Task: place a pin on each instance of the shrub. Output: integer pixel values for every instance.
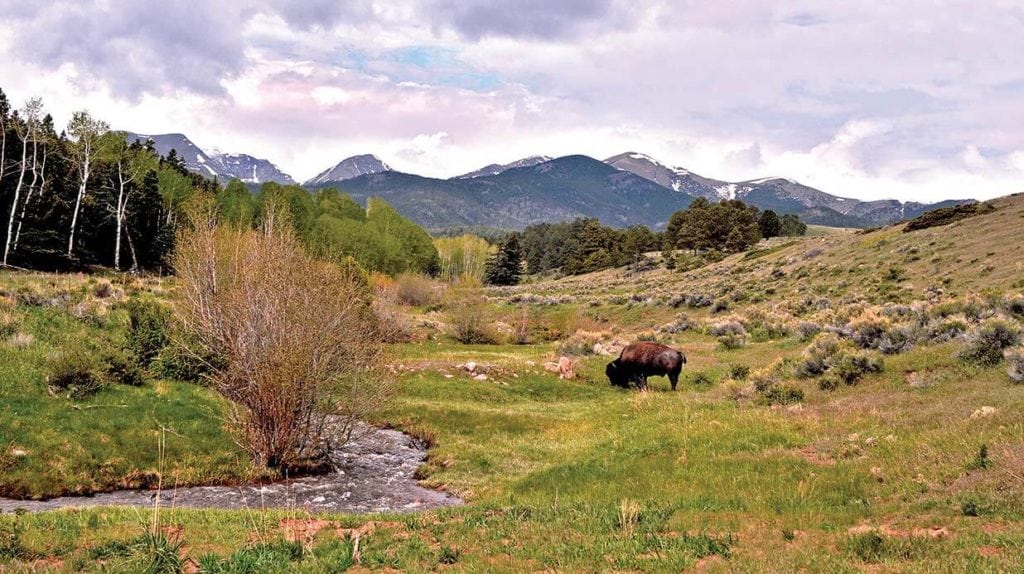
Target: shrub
(808, 330)
(765, 378)
(786, 394)
(848, 368)
(868, 330)
(817, 357)
(947, 215)
(103, 289)
(731, 334)
(147, 329)
(896, 340)
(987, 343)
(1015, 364)
(1015, 306)
(123, 370)
(415, 290)
(947, 330)
(298, 345)
(578, 345)
(177, 362)
(75, 372)
(739, 372)
(468, 315)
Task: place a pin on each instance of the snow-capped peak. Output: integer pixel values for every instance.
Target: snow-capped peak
(350, 168)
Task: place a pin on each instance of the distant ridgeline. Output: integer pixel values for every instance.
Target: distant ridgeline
(623, 190)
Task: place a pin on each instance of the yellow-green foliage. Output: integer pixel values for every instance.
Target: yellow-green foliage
(462, 255)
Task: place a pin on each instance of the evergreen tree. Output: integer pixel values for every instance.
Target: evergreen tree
(505, 266)
(770, 224)
(792, 226)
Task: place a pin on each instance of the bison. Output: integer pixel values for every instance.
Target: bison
(641, 360)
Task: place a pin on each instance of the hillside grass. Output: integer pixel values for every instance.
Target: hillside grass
(574, 475)
(52, 445)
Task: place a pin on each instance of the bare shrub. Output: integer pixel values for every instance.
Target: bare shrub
(467, 313)
(291, 341)
(416, 290)
(521, 325)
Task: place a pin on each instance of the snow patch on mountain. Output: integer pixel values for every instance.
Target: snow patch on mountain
(350, 168)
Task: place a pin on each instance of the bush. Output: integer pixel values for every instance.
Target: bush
(1015, 367)
(817, 357)
(147, 329)
(731, 334)
(297, 341)
(578, 345)
(782, 395)
(868, 330)
(415, 290)
(468, 315)
(75, 372)
(987, 343)
(739, 372)
(947, 215)
(123, 370)
(178, 363)
(896, 340)
(848, 368)
(808, 330)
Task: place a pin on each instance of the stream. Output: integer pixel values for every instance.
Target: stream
(373, 473)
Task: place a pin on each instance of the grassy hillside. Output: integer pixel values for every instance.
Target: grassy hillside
(755, 464)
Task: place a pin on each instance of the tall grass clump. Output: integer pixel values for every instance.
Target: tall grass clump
(296, 339)
(75, 372)
(986, 343)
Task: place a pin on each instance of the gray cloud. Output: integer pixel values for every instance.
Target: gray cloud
(534, 19)
(135, 47)
(324, 14)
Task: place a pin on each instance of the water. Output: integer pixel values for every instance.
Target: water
(373, 473)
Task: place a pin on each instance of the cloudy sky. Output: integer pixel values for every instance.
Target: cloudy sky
(916, 99)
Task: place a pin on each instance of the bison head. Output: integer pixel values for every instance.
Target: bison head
(617, 375)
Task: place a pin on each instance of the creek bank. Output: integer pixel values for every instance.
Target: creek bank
(373, 472)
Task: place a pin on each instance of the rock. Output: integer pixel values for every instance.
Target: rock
(983, 412)
(19, 453)
(471, 366)
(480, 377)
(565, 370)
(932, 532)
(551, 367)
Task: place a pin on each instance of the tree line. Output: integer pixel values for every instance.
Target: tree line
(88, 196)
(85, 195)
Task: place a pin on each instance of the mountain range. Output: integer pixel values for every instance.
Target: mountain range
(626, 189)
(223, 166)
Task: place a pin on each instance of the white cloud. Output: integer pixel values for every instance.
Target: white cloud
(917, 99)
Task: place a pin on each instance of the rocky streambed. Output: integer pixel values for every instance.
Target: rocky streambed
(372, 473)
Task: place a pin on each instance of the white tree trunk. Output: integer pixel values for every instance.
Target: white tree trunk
(28, 196)
(78, 204)
(17, 194)
(119, 212)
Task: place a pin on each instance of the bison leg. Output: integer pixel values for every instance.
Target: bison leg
(674, 379)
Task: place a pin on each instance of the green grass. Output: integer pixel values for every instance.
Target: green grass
(579, 476)
(110, 439)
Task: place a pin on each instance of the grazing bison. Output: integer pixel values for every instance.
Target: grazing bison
(641, 360)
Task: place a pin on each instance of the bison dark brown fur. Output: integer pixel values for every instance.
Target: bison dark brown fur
(641, 360)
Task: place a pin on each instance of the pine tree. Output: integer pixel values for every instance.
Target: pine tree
(769, 224)
(505, 266)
